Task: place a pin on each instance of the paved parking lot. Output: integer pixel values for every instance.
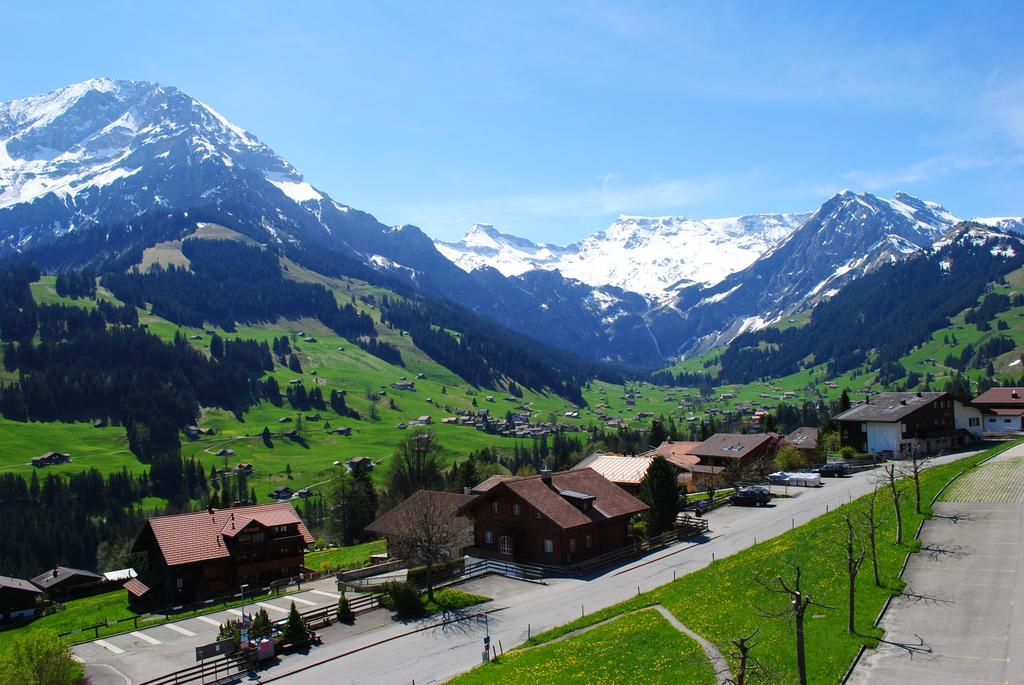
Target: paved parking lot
(968, 572)
(171, 646)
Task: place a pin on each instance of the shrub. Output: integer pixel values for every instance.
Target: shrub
(40, 657)
(418, 574)
(403, 598)
(232, 630)
(345, 613)
(261, 626)
(847, 452)
(788, 458)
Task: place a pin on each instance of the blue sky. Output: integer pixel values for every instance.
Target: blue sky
(550, 119)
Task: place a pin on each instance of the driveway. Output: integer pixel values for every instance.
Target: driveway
(967, 623)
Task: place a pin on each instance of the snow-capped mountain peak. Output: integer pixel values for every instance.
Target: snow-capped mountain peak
(105, 149)
(637, 253)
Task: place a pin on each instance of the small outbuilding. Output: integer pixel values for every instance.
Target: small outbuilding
(18, 599)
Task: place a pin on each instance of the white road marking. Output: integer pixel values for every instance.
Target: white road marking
(207, 619)
(235, 612)
(107, 645)
(271, 606)
(303, 601)
(178, 629)
(145, 638)
(324, 593)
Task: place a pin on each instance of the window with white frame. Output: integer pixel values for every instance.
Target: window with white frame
(505, 543)
(516, 510)
(572, 545)
(488, 537)
(589, 540)
(549, 546)
(495, 507)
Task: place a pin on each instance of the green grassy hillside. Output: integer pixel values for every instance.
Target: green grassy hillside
(331, 363)
(927, 359)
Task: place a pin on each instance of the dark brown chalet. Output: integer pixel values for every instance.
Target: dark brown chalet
(212, 553)
(897, 424)
(18, 599)
(557, 519)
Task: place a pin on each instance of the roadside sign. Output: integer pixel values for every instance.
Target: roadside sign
(214, 649)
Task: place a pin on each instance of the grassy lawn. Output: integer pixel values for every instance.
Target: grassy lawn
(639, 648)
(725, 600)
(342, 558)
(450, 599)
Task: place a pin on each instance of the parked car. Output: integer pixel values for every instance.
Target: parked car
(834, 469)
(751, 497)
(778, 478)
(699, 507)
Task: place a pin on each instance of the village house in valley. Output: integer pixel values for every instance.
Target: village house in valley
(556, 519)
(898, 423)
(1003, 409)
(17, 599)
(212, 553)
(725, 456)
(394, 524)
(60, 580)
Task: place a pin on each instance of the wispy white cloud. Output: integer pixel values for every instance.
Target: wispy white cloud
(917, 172)
(587, 204)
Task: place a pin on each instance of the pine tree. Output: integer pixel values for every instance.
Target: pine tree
(295, 628)
(345, 613)
(659, 490)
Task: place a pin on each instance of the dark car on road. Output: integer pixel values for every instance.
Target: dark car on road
(833, 469)
(751, 497)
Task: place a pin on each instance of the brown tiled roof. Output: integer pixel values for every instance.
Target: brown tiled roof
(387, 523)
(610, 501)
(188, 538)
(804, 438)
(679, 453)
(49, 579)
(731, 445)
(1001, 396)
(490, 483)
(18, 584)
(1005, 411)
(136, 587)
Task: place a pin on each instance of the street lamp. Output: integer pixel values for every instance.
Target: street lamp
(244, 587)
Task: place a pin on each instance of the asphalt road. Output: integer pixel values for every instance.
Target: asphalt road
(393, 654)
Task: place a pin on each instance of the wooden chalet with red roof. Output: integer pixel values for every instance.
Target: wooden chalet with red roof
(212, 553)
(557, 519)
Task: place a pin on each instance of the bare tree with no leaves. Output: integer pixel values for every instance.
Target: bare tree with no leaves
(427, 530)
(853, 564)
(918, 462)
(872, 524)
(890, 477)
(798, 604)
(747, 665)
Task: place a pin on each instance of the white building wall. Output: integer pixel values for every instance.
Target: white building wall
(1000, 424)
(968, 418)
(883, 436)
